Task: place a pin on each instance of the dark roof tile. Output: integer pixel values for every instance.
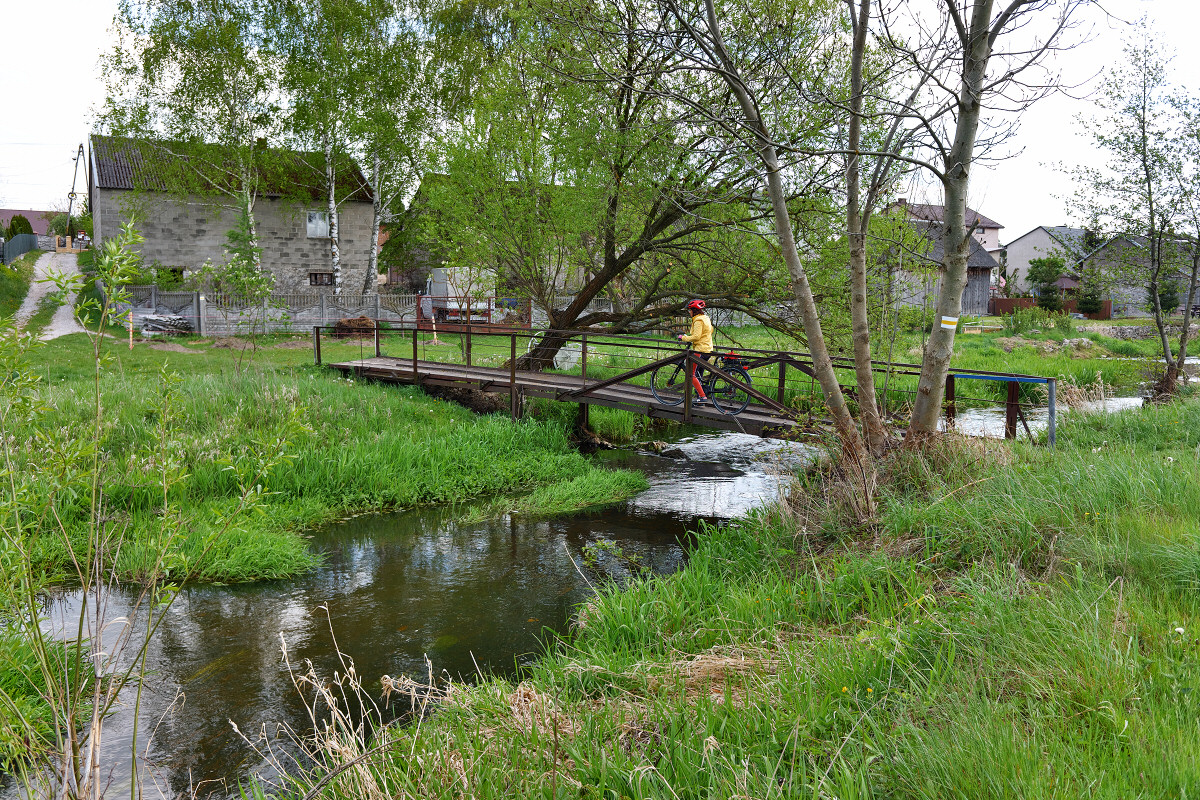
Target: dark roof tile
(148, 165)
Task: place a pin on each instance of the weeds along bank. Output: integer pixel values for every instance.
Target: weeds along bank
(1018, 622)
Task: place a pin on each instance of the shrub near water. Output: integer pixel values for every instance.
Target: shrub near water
(1021, 623)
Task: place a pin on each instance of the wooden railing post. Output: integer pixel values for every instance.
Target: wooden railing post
(779, 389)
(512, 376)
(583, 359)
(468, 353)
(416, 374)
(949, 399)
(317, 343)
(584, 416)
(1010, 410)
(377, 351)
(1051, 389)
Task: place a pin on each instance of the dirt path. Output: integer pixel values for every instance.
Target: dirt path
(63, 321)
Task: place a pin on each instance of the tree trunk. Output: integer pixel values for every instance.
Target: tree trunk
(370, 284)
(335, 252)
(856, 226)
(835, 401)
(248, 200)
(956, 242)
(1187, 310)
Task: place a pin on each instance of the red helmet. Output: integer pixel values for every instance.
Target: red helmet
(697, 305)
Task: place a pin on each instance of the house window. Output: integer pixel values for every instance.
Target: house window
(320, 279)
(318, 224)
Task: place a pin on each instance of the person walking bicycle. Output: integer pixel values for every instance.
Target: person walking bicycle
(701, 340)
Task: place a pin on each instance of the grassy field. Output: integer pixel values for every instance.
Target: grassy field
(1018, 622)
(351, 447)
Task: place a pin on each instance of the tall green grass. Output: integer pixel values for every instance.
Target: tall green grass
(362, 446)
(15, 280)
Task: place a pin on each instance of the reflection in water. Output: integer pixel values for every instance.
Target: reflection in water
(990, 421)
(395, 588)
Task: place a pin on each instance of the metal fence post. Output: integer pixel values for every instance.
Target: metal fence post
(468, 353)
(317, 344)
(1051, 385)
(377, 352)
(779, 388)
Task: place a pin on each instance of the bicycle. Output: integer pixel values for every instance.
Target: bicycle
(667, 383)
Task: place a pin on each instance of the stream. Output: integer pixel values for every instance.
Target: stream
(480, 597)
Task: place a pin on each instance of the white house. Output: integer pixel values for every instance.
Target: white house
(1041, 242)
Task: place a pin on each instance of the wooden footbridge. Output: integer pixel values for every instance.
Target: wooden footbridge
(614, 371)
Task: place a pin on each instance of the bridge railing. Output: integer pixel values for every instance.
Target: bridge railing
(781, 382)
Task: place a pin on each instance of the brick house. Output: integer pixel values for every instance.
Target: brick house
(183, 231)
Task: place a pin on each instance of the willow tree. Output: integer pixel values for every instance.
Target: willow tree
(635, 200)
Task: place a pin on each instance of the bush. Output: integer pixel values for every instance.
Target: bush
(914, 320)
(1168, 296)
(17, 225)
(1038, 318)
(1090, 301)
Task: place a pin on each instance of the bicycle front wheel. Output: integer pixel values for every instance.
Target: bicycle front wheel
(667, 383)
(728, 396)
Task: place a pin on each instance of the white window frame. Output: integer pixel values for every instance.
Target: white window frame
(317, 224)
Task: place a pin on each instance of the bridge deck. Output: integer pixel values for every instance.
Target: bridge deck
(755, 419)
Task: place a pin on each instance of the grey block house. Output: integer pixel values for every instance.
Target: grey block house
(185, 228)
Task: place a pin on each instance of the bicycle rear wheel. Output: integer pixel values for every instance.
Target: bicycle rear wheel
(667, 383)
(727, 396)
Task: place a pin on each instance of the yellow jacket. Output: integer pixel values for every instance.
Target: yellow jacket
(701, 335)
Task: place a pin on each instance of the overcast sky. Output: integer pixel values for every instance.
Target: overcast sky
(61, 41)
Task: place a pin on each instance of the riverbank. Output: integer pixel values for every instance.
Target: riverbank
(344, 448)
(1018, 622)
(211, 466)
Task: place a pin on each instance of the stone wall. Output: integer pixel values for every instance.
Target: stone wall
(186, 234)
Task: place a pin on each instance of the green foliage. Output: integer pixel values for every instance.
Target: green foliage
(1168, 297)
(18, 225)
(1040, 319)
(58, 224)
(910, 319)
(1043, 274)
(1091, 299)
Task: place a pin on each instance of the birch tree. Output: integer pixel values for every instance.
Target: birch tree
(193, 84)
(391, 129)
(317, 40)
